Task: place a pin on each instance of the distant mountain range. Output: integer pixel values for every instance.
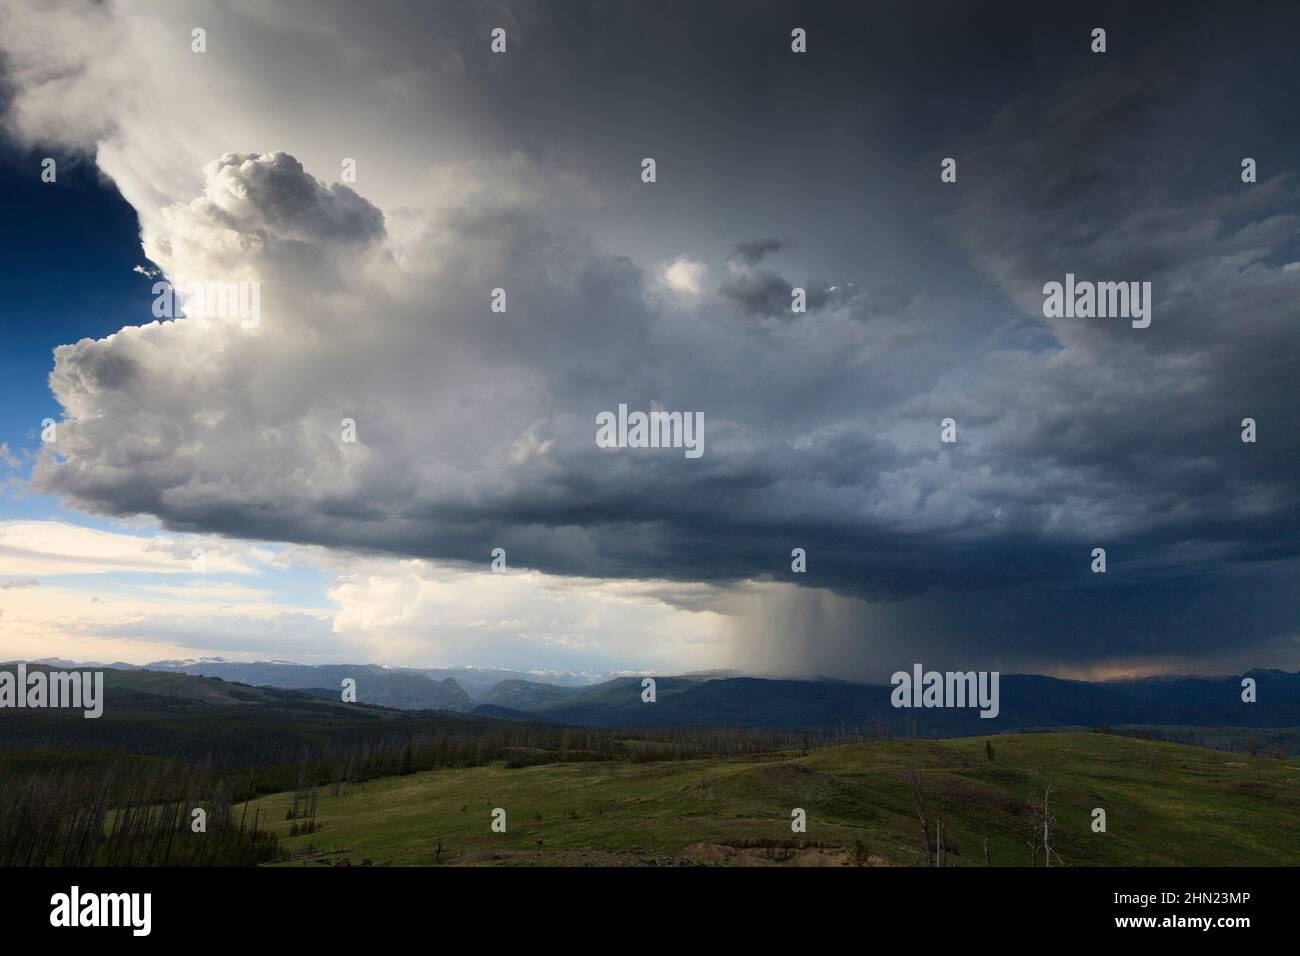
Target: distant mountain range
(1027, 701)
(375, 685)
(457, 689)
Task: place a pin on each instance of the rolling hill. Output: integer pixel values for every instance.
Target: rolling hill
(522, 694)
(1166, 805)
(382, 686)
(152, 716)
(1027, 702)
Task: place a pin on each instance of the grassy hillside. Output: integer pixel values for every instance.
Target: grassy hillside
(256, 740)
(1167, 804)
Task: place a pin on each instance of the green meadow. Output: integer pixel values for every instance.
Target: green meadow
(1166, 805)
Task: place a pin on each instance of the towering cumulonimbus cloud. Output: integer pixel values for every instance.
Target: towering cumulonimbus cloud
(475, 428)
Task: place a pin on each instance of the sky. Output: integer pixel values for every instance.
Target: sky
(202, 496)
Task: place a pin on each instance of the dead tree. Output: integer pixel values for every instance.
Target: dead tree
(1041, 822)
(914, 777)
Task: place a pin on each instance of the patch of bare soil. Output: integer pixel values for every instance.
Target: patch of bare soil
(776, 853)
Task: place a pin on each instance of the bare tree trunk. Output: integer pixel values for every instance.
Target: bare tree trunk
(1041, 831)
(915, 778)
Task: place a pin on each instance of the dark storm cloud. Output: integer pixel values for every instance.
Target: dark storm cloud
(752, 251)
(763, 293)
(821, 431)
(759, 293)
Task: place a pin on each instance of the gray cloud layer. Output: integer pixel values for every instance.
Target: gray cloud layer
(477, 429)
